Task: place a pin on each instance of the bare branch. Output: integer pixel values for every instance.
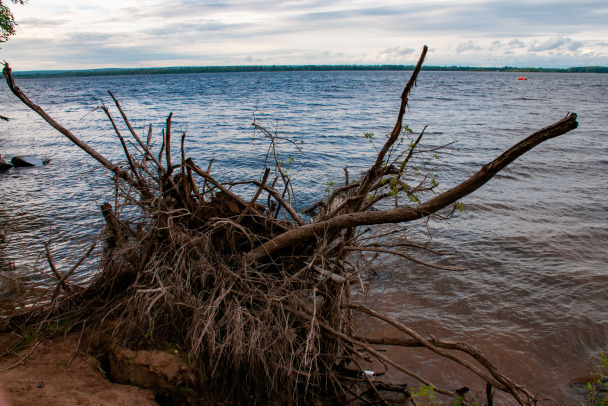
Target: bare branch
(406, 214)
(82, 145)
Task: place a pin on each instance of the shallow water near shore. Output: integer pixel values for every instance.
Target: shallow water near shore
(533, 240)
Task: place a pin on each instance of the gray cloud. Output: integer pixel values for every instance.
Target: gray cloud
(87, 53)
(39, 22)
(395, 53)
(575, 45)
(506, 48)
(468, 46)
(555, 43)
(194, 26)
(516, 43)
(496, 45)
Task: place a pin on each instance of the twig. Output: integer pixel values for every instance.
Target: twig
(255, 196)
(76, 265)
(209, 178)
(77, 345)
(21, 360)
(52, 265)
(406, 256)
(372, 173)
(122, 142)
(168, 144)
(368, 349)
(134, 134)
(183, 153)
(283, 203)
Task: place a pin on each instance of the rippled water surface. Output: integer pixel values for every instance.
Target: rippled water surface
(533, 240)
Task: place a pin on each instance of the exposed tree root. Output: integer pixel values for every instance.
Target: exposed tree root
(251, 292)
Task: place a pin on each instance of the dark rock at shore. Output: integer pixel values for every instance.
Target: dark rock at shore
(27, 161)
(4, 165)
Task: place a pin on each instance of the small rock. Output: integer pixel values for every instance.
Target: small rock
(4, 165)
(26, 161)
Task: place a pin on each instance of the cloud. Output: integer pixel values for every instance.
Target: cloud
(42, 22)
(496, 45)
(575, 45)
(507, 48)
(556, 44)
(395, 54)
(468, 46)
(516, 43)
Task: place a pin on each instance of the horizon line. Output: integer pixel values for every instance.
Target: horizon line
(40, 73)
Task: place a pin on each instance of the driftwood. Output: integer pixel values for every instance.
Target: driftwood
(252, 292)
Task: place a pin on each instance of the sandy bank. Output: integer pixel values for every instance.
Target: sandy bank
(43, 378)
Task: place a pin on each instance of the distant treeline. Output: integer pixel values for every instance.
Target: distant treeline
(287, 68)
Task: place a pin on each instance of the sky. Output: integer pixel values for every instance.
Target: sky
(78, 34)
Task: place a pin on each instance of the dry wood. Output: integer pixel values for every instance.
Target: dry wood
(86, 148)
(113, 225)
(66, 275)
(406, 214)
(497, 379)
(15, 365)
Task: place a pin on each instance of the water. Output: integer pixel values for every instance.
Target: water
(533, 240)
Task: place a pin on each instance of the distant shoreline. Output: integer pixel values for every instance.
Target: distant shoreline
(286, 68)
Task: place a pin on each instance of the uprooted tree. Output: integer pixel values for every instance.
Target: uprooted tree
(252, 291)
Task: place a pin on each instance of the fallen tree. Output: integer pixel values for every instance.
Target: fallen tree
(252, 292)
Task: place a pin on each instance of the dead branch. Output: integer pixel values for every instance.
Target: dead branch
(49, 258)
(22, 359)
(497, 379)
(66, 275)
(403, 255)
(406, 214)
(86, 148)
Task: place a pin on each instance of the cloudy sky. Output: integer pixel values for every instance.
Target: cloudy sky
(79, 34)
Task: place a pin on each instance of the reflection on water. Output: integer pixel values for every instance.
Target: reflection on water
(533, 241)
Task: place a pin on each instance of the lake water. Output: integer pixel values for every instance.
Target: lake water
(533, 240)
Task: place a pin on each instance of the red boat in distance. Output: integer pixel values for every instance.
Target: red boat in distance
(522, 78)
